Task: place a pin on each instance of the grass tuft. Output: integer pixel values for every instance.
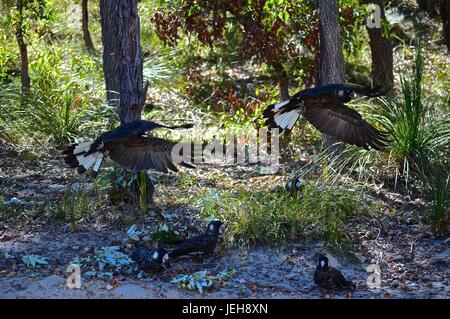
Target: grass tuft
(259, 216)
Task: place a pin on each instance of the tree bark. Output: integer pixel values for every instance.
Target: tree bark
(24, 74)
(123, 68)
(429, 6)
(445, 15)
(381, 49)
(122, 57)
(331, 57)
(85, 25)
(283, 81)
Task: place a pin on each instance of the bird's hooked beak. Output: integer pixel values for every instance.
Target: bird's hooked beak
(222, 229)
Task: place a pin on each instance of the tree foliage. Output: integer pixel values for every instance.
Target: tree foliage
(279, 33)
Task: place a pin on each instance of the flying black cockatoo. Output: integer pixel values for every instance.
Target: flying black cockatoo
(129, 146)
(205, 243)
(330, 278)
(152, 261)
(324, 107)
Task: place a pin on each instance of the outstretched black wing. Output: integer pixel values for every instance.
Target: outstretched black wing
(135, 128)
(143, 153)
(344, 124)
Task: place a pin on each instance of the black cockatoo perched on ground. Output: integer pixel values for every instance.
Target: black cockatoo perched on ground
(205, 243)
(324, 107)
(328, 277)
(152, 261)
(129, 146)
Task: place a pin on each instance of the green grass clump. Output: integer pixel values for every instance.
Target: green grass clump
(420, 135)
(261, 216)
(74, 205)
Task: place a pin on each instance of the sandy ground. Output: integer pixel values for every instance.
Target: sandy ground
(414, 263)
(260, 273)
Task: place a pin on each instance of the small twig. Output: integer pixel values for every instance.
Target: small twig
(412, 244)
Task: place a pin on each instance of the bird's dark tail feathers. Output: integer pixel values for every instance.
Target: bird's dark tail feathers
(82, 157)
(282, 115)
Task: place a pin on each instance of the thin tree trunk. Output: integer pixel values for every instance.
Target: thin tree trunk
(445, 15)
(331, 57)
(122, 57)
(283, 81)
(381, 48)
(85, 25)
(429, 6)
(284, 88)
(24, 74)
(123, 67)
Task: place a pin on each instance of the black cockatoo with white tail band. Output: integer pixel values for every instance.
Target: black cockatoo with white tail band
(324, 107)
(130, 146)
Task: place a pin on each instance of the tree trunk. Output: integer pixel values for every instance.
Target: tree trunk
(122, 57)
(331, 57)
(429, 6)
(445, 15)
(123, 69)
(24, 74)
(85, 24)
(283, 81)
(382, 57)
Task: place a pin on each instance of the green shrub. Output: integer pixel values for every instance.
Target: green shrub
(63, 103)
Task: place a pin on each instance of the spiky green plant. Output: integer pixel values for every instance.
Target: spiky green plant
(439, 207)
(420, 135)
(143, 181)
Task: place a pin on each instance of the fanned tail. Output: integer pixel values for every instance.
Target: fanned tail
(81, 157)
(282, 115)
